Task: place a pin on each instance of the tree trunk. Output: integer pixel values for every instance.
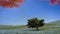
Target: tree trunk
(37, 28)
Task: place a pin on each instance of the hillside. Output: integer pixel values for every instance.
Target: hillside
(11, 27)
(54, 23)
(5, 26)
(2, 26)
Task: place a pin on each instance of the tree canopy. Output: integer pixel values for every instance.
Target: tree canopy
(35, 23)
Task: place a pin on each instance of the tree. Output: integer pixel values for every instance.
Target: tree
(35, 23)
(10, 3)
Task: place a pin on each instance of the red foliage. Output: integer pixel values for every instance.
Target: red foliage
(10, 3)
(55, 1)
(58, 2)
(20, 1)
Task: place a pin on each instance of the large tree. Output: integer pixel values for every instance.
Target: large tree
(35, 23)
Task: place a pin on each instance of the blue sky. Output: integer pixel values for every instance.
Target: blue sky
(30, 8)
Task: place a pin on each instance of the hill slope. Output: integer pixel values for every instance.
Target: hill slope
(54, 23)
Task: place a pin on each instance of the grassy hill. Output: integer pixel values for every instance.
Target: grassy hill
(24, 30)
(11, 27)
(54, 23)
(5, 26)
